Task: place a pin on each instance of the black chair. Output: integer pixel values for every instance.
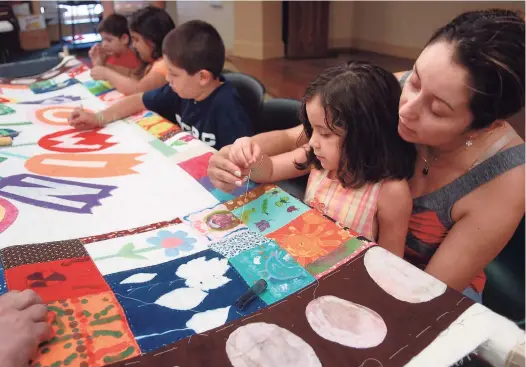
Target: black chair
(251, 91)
(279, 114)
(505, 286)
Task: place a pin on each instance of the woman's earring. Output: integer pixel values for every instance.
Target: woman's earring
(469, 143)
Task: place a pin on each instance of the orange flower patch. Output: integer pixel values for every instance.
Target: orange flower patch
(309, 237)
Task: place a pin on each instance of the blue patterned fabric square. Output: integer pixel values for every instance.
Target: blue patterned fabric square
(282, 273)
(176, 299)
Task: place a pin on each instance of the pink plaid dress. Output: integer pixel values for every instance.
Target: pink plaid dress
(351, 208)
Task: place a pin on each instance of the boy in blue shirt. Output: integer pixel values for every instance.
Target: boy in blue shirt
(196, 96)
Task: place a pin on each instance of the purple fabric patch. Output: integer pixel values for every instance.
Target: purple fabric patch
(51, 193)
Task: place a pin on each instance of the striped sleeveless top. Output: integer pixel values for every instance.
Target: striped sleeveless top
(431, 219)
(351, 208)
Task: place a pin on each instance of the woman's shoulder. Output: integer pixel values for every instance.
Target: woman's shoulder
(496, 183)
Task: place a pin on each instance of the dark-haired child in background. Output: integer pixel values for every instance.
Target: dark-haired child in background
(196, 96)
(148, 27)
(114, 51)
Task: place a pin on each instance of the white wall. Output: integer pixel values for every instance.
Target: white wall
(400, 28)
(341, 21)
(222, 18)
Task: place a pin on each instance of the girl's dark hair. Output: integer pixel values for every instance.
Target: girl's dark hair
(114, 24)
(153, 24)
(490, 45)
(361, 99)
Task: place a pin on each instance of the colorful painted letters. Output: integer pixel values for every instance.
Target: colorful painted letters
(83, 165)
(62, 195)
(75, 141)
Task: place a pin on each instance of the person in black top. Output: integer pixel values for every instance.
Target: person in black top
(196, 97)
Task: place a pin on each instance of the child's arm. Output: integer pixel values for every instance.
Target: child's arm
(393, 212)
(129, 85)
(83, 120)
(265, 168)
(127, 72)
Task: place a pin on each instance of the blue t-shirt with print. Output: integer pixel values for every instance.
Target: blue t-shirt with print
(217, 120)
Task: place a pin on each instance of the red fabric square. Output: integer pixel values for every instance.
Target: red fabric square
(58, 280)
(198, 166)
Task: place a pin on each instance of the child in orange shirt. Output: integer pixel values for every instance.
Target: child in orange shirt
(115, 51)
(148, 26)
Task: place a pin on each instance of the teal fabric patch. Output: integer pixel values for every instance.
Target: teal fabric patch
(50, 85)
(282, 273)
(270, 211)
(222, 196)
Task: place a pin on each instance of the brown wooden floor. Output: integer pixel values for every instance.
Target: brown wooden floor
(284, 78)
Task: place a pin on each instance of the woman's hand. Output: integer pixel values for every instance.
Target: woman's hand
(23, 327)
(84, 120)
(223, 173)
(244, 152)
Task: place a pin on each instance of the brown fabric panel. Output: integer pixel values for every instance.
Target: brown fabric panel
(251, 196)
(410, 327)
(43, 252)
(127, 232)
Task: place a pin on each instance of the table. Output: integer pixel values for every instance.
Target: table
(141, 260)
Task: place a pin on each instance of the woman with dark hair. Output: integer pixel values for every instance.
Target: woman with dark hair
(148, 27)
(468, 183)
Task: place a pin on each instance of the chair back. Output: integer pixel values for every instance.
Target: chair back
(251, 92)
(279, 114)
(505, 286)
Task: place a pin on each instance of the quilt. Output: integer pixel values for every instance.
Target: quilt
(143, 262)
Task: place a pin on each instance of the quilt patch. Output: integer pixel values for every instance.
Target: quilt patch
(59, 279)
(341, 255)
(309, 237)
(97, 87)
(243, 199)
(197, 167)
(270, 211)
(89, 331)
(216, 222)
(173, 300)
(42, 252)
(237, 243)
(146, 249)
(270, 262)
